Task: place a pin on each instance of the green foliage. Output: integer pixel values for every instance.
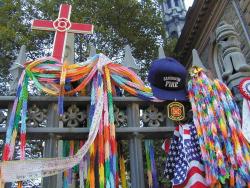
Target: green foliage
(169, 46)
(117, 23)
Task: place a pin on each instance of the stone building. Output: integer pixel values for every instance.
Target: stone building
(174, 13)
(219, 30)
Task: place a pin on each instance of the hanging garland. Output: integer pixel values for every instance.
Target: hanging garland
(83, 168)
(50, 76)
(150, 161)
(70, 175)
(224, 149)
(122, 165)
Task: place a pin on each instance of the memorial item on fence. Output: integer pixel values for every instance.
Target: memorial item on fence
(225, 151)
(122, 167)
(123, 172)
(51, 75)
(176, 111)
(150, 161)
(70, 175)
(244, 88)
(184, 166)
(167, 78)
(47, 75)
(166, 145)
(62, 26)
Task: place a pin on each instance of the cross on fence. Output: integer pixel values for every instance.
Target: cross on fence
(62, 26)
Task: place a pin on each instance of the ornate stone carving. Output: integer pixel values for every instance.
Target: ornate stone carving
(233, 59)
(36, 116)
(73, 117)
(2, 117)
(152, 116)
(120, 117)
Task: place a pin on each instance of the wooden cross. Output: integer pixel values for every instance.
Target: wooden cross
(62, 26)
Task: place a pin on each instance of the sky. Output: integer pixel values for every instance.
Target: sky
(188, 3)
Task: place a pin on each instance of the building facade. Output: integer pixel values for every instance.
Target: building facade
(174, 12)
(219, 30)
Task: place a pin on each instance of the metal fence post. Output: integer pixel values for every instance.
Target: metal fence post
(16, 69)
(50, 149)
(135, 148)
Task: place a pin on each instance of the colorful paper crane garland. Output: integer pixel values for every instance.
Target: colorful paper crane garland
(151, 167)
(225, 151)
(51, 76)
(122, 167)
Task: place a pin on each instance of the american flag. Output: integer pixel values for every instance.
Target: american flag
(183, 166)
(166, 145)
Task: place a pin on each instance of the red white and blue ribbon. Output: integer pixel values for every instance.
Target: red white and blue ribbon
(244, 88)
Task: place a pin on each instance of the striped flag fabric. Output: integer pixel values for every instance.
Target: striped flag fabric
(183, 165)
(166, 145)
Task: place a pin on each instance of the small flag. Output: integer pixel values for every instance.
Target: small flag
(183, 166)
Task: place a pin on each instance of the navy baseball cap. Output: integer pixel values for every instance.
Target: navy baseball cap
(167, 78)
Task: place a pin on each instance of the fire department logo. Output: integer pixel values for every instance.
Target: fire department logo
(176, 111)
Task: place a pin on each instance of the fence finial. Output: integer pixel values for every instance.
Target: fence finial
(161, 53)
(197, 61)
(92, 50)
(16, 69)
(21, 58)
(129, 60)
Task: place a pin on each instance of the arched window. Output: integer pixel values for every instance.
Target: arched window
(169, 3)
(174, 34)
(176, 3)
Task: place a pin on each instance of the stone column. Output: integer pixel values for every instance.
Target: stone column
(234, 62)
(182, 4)
(172, 3)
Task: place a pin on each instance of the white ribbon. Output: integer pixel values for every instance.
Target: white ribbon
(29, 169)
(102, 61)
